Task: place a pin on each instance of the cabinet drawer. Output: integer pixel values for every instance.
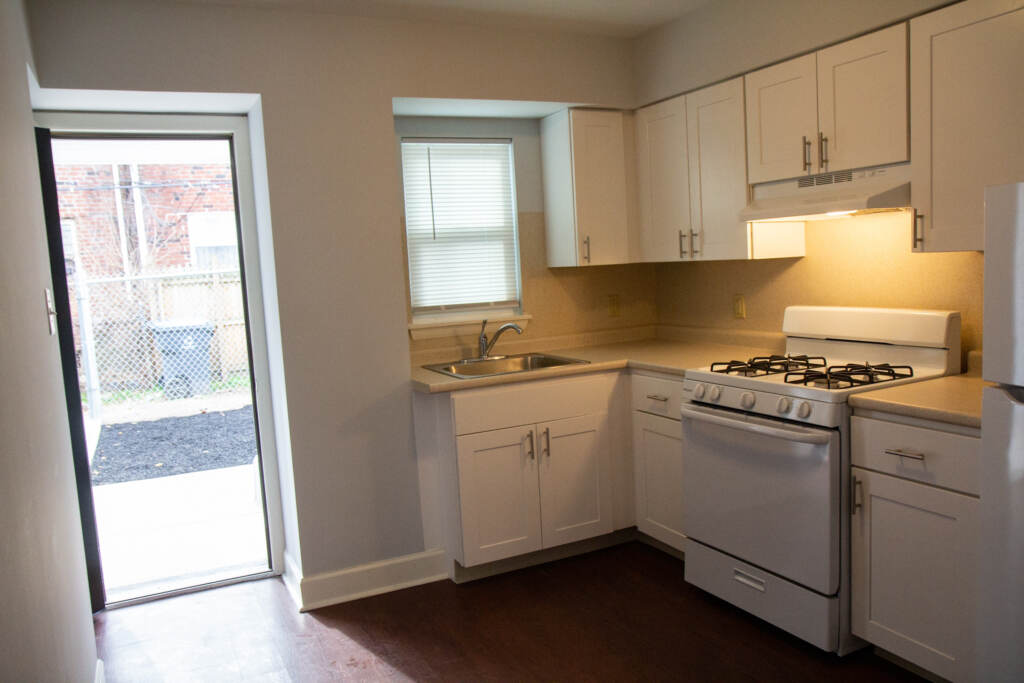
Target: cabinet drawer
(658, 396)
(525, 403)
(802, 612)
(929, 456)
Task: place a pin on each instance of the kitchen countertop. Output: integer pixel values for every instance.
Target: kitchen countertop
(955, 399)
(658, 355)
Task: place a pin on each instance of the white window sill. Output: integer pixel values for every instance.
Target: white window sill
(455, 325)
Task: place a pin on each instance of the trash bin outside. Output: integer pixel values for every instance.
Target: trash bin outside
(185, 350)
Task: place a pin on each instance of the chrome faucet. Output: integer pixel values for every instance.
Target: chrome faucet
(485, 347)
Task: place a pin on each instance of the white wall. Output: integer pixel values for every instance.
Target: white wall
(726, 38)
(46, 629)
(326, 82)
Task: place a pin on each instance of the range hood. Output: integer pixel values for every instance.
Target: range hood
(828, 195)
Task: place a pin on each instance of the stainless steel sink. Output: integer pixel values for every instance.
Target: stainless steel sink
(501, 365)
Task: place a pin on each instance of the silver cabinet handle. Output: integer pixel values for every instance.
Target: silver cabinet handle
(586, 243)
(692, 250)
(899, 452)
(658, 397)
(822, 150)
(529, 435)
(547, 442)
(917, 236)
(682, 249)
(748, 580)
(805, 153)
(855, 502)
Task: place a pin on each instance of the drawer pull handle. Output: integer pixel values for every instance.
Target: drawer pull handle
(748, 580)
(904, 454)
(658, 397)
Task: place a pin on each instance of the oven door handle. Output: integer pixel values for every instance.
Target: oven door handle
(790, 433)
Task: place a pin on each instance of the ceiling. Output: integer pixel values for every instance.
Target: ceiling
(619, 18)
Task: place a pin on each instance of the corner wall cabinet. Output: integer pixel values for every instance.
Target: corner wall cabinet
(584, 175)
(913, 537)
(966, 112)
(840, 108)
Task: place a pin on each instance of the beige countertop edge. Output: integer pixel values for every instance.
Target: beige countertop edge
(954, 399)
(662, 356)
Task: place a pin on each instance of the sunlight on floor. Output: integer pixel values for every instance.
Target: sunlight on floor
(172, 532)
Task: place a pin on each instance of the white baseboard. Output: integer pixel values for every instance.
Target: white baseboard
(101, 677)
(365, 580)
(292, 578)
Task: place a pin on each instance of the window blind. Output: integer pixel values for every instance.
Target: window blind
(460, 223)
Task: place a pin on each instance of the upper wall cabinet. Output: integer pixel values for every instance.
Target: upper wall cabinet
(583, 160)
(843, 107)
(718, 173)
(663, 183)
(966, 112)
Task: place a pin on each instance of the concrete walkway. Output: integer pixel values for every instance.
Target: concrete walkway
(173, 532)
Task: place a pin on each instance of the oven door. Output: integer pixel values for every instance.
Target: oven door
(764, 491)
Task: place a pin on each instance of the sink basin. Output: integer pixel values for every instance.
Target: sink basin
(501, 365)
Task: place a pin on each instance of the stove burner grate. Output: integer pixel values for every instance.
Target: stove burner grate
(849, 375)
(759, 366)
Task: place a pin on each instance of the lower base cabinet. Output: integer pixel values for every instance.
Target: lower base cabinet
(658, 459)
(913, 555)
(538, 486)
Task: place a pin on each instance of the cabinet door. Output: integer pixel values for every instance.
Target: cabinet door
(862, 101)
(662, 180)
(498, 495)
(575, 481)
(658, 457)
(966, 111)
(718, 170)
(782, 120)
(913, 555)
(599, 186)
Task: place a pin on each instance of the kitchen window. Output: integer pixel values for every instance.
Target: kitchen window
(461, 227)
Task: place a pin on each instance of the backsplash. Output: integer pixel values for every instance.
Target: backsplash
(857, 261)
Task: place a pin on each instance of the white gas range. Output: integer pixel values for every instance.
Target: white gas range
(766, 459)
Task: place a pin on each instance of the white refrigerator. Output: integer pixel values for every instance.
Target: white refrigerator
(1000, 606)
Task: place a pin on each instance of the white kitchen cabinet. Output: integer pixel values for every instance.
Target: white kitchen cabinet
(966, 112)
(658, 458)
(511, 469)
(913, 536)
(584, 175)
(498, 494)
(840, 108)
(718, 172)
(782, 119)
(663, 182)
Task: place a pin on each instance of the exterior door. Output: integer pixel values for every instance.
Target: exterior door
(782, 120)
(575, 481)
(499, 498)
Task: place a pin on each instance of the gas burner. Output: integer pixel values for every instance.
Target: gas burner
(849, 375)
(759, 366)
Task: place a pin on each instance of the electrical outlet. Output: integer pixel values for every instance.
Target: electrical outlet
(739, 306)
(614, 309)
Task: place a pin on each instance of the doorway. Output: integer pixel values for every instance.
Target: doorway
(158, 319)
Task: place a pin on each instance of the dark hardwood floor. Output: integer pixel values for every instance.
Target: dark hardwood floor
(620, 614)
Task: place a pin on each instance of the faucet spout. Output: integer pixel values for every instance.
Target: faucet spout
(485, 346)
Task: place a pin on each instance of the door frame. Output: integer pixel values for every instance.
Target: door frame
(236, 128)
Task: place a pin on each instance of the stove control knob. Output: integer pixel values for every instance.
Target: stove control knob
(747, 400)
(715, 393)
(804, 411)
(784, 405)
(698, 391)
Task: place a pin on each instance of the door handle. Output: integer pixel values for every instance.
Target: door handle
(586, 243)
(805, 153)
(917, 237)
(822, 150)
(530, 452)
(692, 250)
(682, 249)
(547, 442)
(855, 502)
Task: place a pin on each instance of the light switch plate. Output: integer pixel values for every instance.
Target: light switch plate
(739, 306)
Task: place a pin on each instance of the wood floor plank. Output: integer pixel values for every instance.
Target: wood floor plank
(624, 613)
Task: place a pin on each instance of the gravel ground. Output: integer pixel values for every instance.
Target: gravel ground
(174, 445)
